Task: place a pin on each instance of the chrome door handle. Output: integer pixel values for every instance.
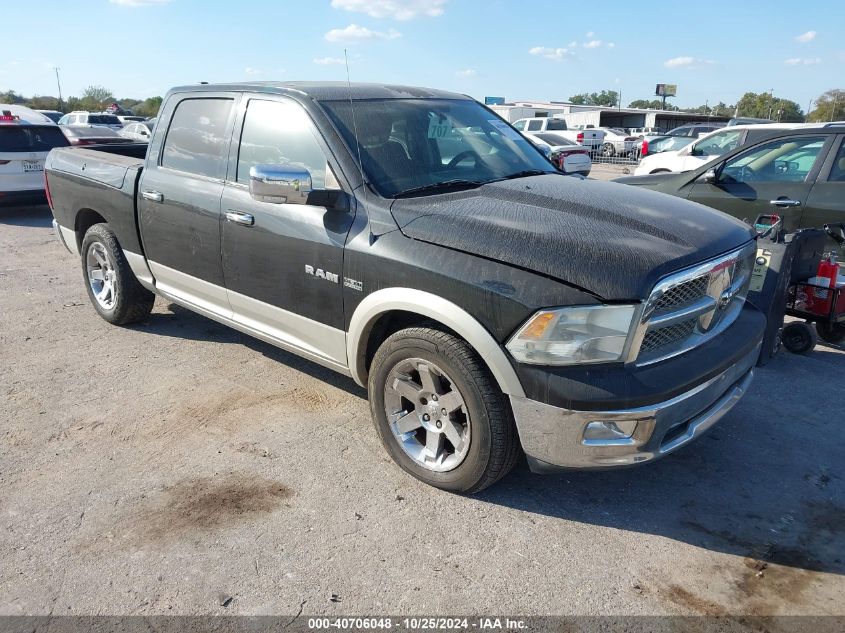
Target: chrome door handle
(240, 218)
(152, 196)
(785, 203)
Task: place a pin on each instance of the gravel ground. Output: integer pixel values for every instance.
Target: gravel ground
(178, 467)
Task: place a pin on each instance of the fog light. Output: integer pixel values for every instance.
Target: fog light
(618, 430)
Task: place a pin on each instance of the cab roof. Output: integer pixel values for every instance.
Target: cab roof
(328, 90)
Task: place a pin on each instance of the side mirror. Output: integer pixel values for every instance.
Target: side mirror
(708, 177)
(279, 184)
(144, 133)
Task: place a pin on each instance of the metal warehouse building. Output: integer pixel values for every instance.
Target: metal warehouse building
(598, 116)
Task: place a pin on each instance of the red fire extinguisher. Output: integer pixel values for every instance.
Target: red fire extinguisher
(825, 276)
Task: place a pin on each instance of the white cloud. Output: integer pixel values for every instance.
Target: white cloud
(139, 3)
(611, 45)
(592, 44)
(556, 54)
(809, 36)
(252, 72)
(686, 62)
(396, 9)
(803, 61)
(572, 44)
(589, 34)
(328, 61)
(466, 73)
(355, 33)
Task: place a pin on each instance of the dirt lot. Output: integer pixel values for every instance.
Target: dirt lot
(180, 467)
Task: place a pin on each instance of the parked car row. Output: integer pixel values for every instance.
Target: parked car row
(27, 136)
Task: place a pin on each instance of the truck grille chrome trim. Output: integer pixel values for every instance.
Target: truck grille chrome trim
(689, 308)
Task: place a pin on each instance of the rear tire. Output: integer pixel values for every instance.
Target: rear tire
(831, 332)
(799, 337)
(608, 150)
(113, 289)
(418, 374)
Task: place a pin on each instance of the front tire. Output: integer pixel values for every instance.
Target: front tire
(608, 150)
(113, 289)
(439, 413)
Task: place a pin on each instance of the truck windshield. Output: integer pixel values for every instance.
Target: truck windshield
(418, 144)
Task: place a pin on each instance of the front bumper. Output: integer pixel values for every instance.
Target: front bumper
(553, 437)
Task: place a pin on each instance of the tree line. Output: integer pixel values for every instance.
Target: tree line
(92, 99)
(828, 107)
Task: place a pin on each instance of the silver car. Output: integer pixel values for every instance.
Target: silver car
(140, 132)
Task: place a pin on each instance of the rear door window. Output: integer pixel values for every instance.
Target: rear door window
(535, 126)
(31, 139)
(837, 172)
(197, 141)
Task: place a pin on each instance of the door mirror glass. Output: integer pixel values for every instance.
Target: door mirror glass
(279, 184)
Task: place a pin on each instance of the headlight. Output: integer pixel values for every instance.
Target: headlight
(567, 336)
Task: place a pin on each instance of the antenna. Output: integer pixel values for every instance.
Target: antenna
(354, 124)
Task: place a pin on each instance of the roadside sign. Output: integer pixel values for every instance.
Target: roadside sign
(494, 100)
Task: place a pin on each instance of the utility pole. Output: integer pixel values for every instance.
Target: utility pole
(59, 84)
(809, 107)
(771, 101)
(833, 111)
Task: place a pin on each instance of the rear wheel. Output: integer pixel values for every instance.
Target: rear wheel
(439, 413)
(831, 332)
(799, 337)
(608, 149)
(113, 289)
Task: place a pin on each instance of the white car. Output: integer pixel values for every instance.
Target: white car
(588, 137)
(568, 157)
(95, 119)
(139, 132)
(707, 148)
(617, 142)
(26, 137)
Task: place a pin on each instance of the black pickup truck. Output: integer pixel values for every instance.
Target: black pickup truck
(413, 240)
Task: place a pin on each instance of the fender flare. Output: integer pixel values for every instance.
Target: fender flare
(434, 307)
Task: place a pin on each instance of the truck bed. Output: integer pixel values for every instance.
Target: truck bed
(98, 179)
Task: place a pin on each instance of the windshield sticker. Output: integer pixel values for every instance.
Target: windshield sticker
(439, 127)
(504, 129)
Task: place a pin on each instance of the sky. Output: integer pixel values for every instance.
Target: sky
(714, 51)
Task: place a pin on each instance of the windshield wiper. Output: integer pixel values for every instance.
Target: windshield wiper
(525, 174)
(437, 186)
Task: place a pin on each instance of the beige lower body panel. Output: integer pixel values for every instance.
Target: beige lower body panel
(312, 340)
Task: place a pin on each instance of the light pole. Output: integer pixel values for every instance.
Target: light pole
(59, 84)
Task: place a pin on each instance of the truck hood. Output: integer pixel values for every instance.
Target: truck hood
(610, 240)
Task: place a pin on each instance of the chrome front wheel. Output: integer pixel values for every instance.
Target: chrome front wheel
(427, 414)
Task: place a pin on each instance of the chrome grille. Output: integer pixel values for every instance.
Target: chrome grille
(690, 307)
(657, 338)
(683, 294)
